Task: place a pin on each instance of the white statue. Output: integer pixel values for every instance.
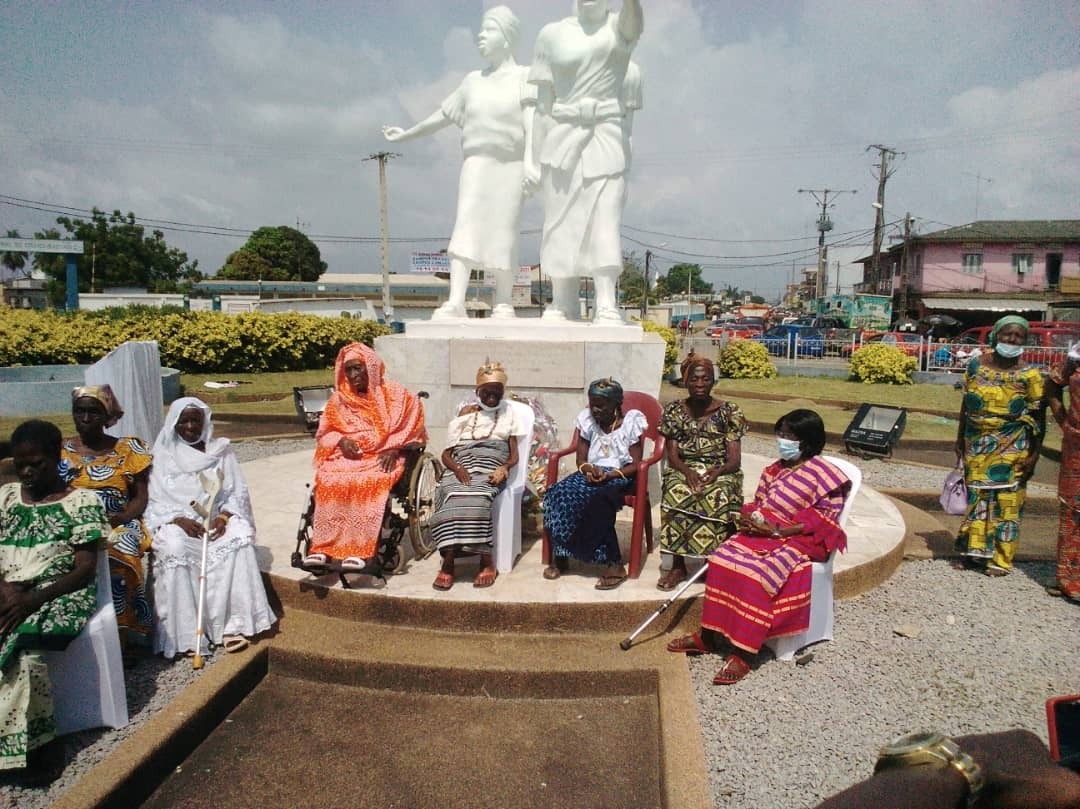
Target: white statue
(581, 154)
(494, 108)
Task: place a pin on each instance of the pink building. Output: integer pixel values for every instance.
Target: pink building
(978, 271)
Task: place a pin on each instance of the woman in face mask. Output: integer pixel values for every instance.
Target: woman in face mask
(758, 582)
(997, 441)
(481, 449)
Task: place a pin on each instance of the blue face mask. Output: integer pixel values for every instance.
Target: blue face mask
(789, 448)
(1008, 350)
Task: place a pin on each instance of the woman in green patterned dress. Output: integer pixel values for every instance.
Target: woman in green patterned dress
(1002, 420)
(49, 538)
(702, 481)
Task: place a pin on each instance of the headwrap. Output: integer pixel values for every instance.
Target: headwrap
(507, 21)
(607, 388)
(490, 372)
(1008, 320)
(104, 395)
(169, 445)
(696, 361)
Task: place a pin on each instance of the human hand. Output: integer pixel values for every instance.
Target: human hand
(17, 607)
(463, 476)
(388, 459)
(693, 480)
(498, 475)
(193, 528)
(392, 133)
(217, 526)
(531, 181)
(595, 475)
(349, 448)
(958, 449)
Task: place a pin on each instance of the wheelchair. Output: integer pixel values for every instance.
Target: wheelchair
(408, 509)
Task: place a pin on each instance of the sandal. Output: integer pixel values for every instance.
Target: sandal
(486, 577)
(610, 581)
(443, 581)
(234, 643)
(551, 572)
(316, 561)
(355, 564)
(690, 645)
(672, 579)
(995, 572)
(733, 670)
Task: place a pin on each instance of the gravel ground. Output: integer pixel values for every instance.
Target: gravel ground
(788, 735)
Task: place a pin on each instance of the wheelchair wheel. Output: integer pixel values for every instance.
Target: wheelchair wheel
(421, 504)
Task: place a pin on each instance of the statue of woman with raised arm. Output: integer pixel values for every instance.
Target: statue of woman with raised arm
(581, 156)
(494, 108)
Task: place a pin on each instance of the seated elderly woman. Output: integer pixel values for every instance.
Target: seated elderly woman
(757, 585)
(187, 461)
(49, 539)
(702, 481)
(117, 470)
(368, 421)
(481, 449)
(579, 510)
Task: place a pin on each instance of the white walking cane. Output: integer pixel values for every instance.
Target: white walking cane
(211, 485)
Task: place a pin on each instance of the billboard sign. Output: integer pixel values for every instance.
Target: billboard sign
(430, 262)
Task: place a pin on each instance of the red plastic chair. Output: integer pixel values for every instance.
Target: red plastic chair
(638, 497)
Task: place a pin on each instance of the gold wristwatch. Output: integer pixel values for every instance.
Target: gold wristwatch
(931, 749)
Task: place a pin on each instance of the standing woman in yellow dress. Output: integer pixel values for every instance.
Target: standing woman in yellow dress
(998, 441)
(118, 472)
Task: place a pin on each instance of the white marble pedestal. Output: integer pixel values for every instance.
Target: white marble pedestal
(553, 360)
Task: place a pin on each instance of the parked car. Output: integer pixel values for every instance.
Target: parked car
(786, 340)
(911, 343)
(738, 330)
(838, 337)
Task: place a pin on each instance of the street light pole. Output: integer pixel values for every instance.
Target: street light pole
(645, 291)
(382, 157)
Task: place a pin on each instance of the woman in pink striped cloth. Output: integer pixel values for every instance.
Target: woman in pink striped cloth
(758, 582)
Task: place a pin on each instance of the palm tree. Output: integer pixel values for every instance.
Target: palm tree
(13, 260)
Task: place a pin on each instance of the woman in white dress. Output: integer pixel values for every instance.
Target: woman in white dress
(186, 458)
(494, 109)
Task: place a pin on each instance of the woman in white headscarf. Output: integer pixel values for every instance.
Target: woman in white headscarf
(186, 458)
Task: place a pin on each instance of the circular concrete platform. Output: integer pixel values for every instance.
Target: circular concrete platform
(875, 549)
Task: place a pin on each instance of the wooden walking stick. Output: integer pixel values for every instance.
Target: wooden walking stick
(211, 485)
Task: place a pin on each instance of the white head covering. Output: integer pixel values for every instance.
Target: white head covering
(174, 477)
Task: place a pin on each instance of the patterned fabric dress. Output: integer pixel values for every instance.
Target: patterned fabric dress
(479, 442)
(1067, 375)
(580, 516)
(37, 544)
(758, 587)
(108, 475)
(695, 523)
(1004, 420)
(351, 493)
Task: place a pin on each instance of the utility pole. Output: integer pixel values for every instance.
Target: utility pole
(821, 196)
(979, 179)
(645, 291)
(382, 157)
(299, 227)
(904, 266)
(879, 220)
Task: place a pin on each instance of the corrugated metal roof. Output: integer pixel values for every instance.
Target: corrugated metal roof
(1017, 230)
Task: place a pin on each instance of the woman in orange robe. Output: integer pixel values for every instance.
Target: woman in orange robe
(367, 423)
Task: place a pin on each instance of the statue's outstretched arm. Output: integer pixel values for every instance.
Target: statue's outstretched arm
(631, 20)
(433, 123)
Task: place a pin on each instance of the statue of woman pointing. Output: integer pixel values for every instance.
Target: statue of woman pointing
(494, 108)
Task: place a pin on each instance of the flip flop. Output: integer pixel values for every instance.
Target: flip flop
(316, 560)
(733, 670)
(689, 645)
(234, 643)
(443, 581)
(551, 572)
(610, 582)
(354, 564)
(671, 579)
(486, 577)
(995, 572)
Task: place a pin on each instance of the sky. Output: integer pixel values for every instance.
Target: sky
(218, 118)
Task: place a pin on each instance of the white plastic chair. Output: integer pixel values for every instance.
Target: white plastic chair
(821, 582)
(506, 512)
(88, 676)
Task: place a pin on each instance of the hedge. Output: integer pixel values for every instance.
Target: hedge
(193, 342)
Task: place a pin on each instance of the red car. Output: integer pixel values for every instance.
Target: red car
(911, 343)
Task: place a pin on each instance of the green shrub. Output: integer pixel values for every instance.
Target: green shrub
(671, 349)
(881, 363)
(193, 342)
(745, 359)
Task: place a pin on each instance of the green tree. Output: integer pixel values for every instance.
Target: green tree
(632, 279)
(13, 260)
(275, 254)
(117, 252)
(675, 281)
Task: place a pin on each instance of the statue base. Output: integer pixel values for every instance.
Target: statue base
(554, 361)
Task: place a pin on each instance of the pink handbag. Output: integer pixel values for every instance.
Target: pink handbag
(954, 494)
